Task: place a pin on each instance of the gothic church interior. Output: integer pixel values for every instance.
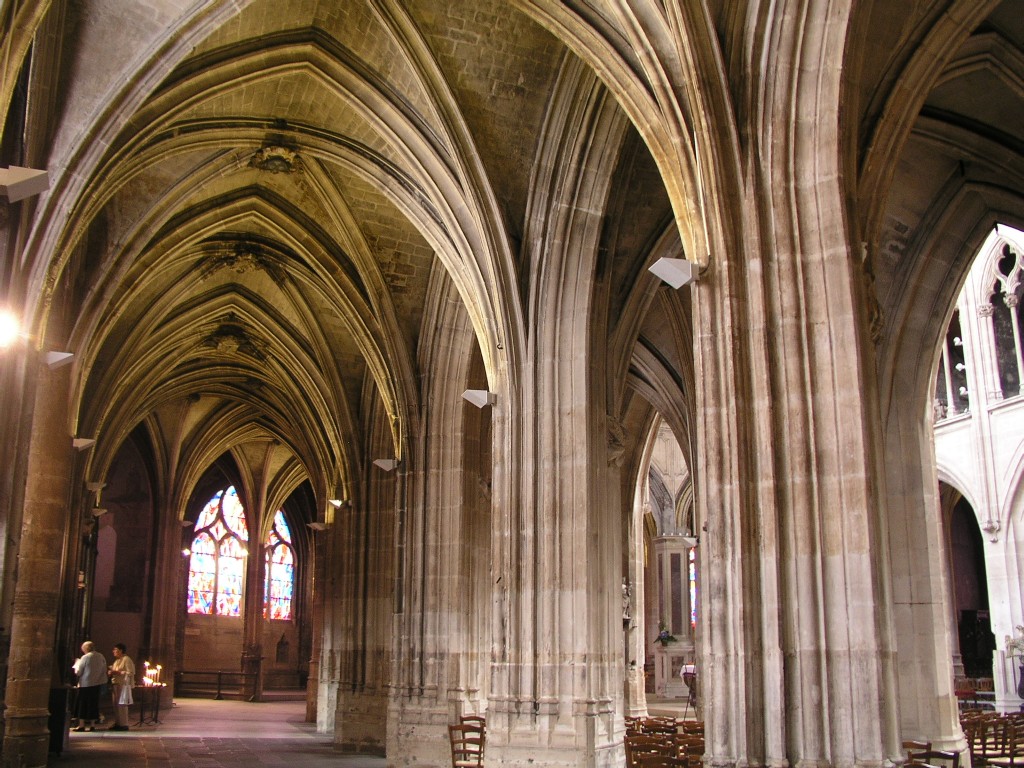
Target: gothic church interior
(287, 243)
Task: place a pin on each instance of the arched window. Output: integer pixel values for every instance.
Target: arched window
(951, 393)
(216, 567)
(279, 580)
(1006, 321)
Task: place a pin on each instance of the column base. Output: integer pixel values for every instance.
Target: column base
(357, 723)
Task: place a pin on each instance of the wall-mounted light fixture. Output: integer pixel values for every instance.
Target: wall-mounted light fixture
(55, 360)
(10, 329)
(388, 465)
(316, 526)
(95, 488)
(337, 499)
(98, 511)
(17, 183)
(675, 272)
(479, 397)
(81, 443)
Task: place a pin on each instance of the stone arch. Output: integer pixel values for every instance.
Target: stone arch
(449, 203)
(958, 223)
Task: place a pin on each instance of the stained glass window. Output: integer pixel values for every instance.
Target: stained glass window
(693, 587)
(280, 576)
(216, 567)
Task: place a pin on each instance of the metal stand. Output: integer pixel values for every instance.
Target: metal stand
(149, 700)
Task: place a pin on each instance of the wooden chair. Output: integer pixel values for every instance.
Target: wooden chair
(660, 725)
(1013, 747)
(914, 745)
(474, 726)
(658, 761)
(922, 751)
(467, 745)
(989, 739)
(691, 726)
(647, 744)
(689, 745)
(971, 723)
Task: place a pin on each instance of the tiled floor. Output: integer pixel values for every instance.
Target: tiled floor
(213, 734)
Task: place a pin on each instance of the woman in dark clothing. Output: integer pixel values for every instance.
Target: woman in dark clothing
(91, 669)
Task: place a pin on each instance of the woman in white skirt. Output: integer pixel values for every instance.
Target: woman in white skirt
(122, 679)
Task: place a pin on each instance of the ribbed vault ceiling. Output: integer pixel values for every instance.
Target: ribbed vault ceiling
(249, 231)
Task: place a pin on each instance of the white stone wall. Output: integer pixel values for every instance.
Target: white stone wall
(981, 454)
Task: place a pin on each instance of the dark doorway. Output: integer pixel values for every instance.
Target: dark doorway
(970, 588)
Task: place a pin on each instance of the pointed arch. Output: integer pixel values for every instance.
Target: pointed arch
(216, 571)
(279, 576)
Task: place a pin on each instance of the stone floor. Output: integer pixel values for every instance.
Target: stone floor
(202, 733)
(213, 734)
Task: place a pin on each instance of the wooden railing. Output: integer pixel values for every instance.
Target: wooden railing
(201, 682)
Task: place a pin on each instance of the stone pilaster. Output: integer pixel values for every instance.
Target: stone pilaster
(557, 670)
(441, 672)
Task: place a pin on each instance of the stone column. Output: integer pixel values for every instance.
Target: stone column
(635, 644)
(443, 645)
(252, 608)
(315, 610)
(984, 352)
(41, 566)
(364, 595)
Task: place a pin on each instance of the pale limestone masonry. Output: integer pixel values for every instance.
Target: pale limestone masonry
(979, 443)
(282, 238)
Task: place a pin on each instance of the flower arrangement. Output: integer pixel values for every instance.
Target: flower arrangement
(664, 636)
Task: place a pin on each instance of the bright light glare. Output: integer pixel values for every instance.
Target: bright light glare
(9, 329)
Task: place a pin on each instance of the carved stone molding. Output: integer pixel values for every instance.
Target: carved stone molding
(616, 442)
(244, 258)
(231, 338)
(986, 310)
(276, 159)
(991, 527)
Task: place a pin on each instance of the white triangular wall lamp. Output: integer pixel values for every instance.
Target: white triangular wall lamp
(18, 183)
(479, 397)
(386, 464)
(99, 511)
(675, 272)
(317, 526)
(81, 443)
(337, 499)
(55, 360)
(690, 541)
